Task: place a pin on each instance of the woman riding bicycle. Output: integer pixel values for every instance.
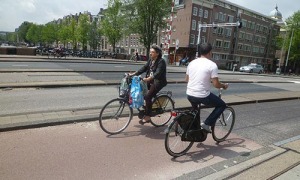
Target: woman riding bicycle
(155, 69)
(199, 75)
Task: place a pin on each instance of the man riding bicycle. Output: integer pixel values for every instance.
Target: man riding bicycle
(199, 75)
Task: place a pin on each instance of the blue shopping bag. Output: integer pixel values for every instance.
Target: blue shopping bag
(136, 93)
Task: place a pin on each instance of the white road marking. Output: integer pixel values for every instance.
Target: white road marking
(297, 82)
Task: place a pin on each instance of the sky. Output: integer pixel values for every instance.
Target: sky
(15, 12)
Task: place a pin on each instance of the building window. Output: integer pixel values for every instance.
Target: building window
(240, 47)
(195, 11)
(242, 35)
(226, 44)
(262, 50)
(192, 41)
(244, 23)
(224, 56)
(205, 13)
(255, 49)
(230, 19)
(218, 43)
(194, 24)
(216, 16)
(216, 57)
(220, 31)
(252, 25)
(220, 16)
(228, 32)
(200, 12)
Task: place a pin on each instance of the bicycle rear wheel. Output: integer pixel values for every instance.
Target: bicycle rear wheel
(173, 144)
(224, 125)
(161, 110)
(115, 116)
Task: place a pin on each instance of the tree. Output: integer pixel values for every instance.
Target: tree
(22, 31)
(50, 33)
(94, 35)
(64, 33)
(113, 24)
(147, 18)
(73, 37)
(293, 27)
(83, 29)
(11, 37)
(34, 34)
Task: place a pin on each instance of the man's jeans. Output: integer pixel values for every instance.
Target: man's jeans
(213, 101)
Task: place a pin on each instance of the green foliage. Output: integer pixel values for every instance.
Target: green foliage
(64, 33)
(50, 33)
(83, 30)
(293, 26)
(113, 25)
(34, 34)
(147, 17)
(94, 35)
(23, 29)
(11, 37)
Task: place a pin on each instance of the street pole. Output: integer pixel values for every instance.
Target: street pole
(287, 58)
(198, 40)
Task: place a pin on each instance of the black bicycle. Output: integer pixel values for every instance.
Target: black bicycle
(116, 114)
(186, 129)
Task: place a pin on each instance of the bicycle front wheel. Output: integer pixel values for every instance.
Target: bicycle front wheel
(173, 144)
(115, 116)
(161, 110)
(224, 125)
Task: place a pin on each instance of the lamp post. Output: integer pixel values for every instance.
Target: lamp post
(287, 58)
(237, 24)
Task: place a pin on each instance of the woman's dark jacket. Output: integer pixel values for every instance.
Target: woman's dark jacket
(159, 72)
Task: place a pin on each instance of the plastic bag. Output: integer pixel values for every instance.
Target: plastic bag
(123, 89)
(136, 93)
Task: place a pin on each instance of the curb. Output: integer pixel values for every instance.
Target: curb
(100, 83)
(227, 168)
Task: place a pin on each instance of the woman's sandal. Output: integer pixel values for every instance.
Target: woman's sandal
(142, 121)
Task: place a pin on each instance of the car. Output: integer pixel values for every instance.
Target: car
(252, 68)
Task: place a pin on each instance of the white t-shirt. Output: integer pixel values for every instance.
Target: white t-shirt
(200, 72)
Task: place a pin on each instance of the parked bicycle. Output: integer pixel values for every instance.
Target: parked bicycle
(116, 114)
(185, 129)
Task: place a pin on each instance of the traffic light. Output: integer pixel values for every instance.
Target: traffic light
(240, 25)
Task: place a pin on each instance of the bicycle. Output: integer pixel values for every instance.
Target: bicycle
(186, 129)
(116, 114)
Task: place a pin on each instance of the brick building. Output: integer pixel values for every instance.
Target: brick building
(253, 43)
